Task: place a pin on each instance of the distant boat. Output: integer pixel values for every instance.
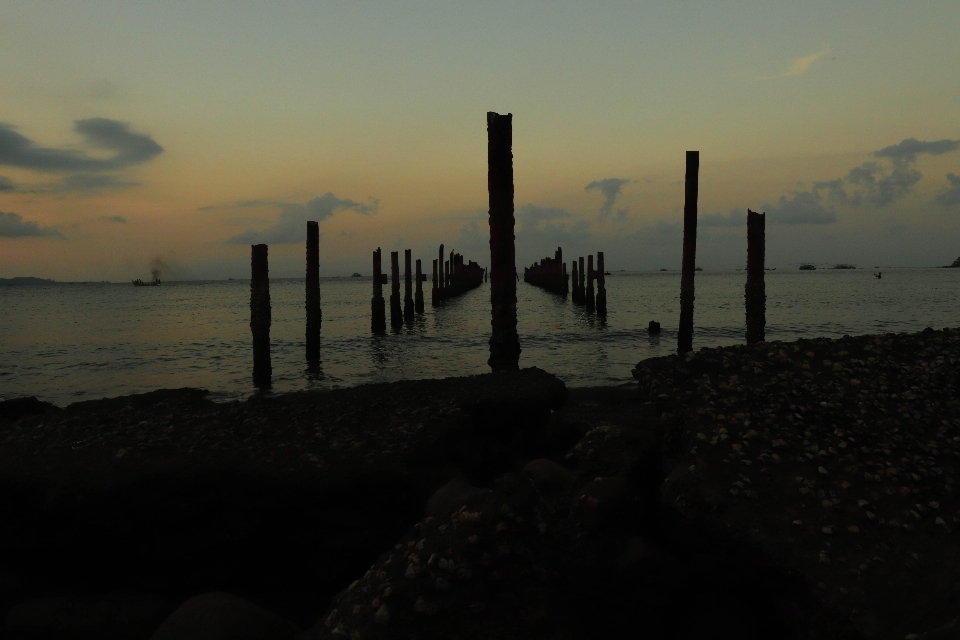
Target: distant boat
(662, 269)
(699, 269)
(606, 273)
(808, 267)
(356, 275)
(140, 283)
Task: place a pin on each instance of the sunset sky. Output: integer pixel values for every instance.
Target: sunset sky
(185, 131)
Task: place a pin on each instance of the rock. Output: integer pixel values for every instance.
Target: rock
(450, 497)
(120, 615)
(12, 409)
(222, 616)
(547, 475)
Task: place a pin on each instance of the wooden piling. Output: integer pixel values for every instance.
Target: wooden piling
(504, 341)
(601, 286)
(755, 294)
(418, 299)
(581, 288)
(446, 278)
(408, 286)
(443, 281)
(396, 313)
(589, 293)
(691, 189)
(574, 282)
(378, 314)
(314, 314)
(435, 299)
(260, 315)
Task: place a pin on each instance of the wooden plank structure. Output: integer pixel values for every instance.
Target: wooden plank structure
(260, 315)
(459, 277)
(396, 313)
(504, 341)
(549, 274)
(575, 283)
(601, 301)
(755, 294)
(691, 189)
(418, 297)
(314, 314)
(588, 298)
(408, 286)
(378, 315)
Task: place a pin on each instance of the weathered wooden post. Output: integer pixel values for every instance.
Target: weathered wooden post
(408, 286)
(575, 282)
(691, 189)
(601, 286)
(590, 276)
(446, 277)
(418, 300)
(581, 289)
(260, 315)
(378, 313)
(756, 295)
(504, 341)
(435, 299)
(396, 313)
(484, 274)
(314, 314)
(443, 281)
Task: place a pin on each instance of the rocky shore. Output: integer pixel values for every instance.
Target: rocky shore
(794, 490)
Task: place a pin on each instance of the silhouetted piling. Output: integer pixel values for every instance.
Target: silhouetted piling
(574, 283)
(260, 315)
(408, 286)
(314, 314)
(589, 301)
(418, 299)
(378, 313)
(685, 334)
(550, 274)
(504, 341)
(601, 286)
(396, 313)
(484, 274)
(581, 287)
(435, 297)
(443, 280)
(755, 295)
(446, 278)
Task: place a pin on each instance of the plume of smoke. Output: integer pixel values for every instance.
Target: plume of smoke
(157, 267)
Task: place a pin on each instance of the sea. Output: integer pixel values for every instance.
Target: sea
(66, 342)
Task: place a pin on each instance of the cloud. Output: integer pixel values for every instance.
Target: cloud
(610, 188)
(128, 149)
(800, 65)
(908, 149)
(803, 207)
(736, 218)
(290, 228)
(950, 196)
(13, 226)
(119, 219)
(531, 216)
(6, 184)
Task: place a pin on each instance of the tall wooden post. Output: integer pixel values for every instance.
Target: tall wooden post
(756, 295)
(313, 292)
(443, 280)
(260, 315)
(418, 300)
(575, 282)
(396, 313)
(378, 313)
(589, 293)
(601, 286)
(504, 341)
(446, 278)
(581, 289)
(691, 189)
(435, 299)
(408, 286)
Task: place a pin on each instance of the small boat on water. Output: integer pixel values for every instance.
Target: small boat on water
(356, 275)
(140, 283)
(808, 267)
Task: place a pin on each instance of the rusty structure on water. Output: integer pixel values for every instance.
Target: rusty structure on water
(755, 295)
(549, 274)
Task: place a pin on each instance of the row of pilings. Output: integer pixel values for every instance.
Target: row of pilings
(412, 304)
(584, 293)
(454, 277)
(549, 274)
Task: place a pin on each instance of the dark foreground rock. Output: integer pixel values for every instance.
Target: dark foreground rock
(222, 616)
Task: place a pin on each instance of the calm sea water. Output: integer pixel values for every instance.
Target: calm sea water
(69, 342)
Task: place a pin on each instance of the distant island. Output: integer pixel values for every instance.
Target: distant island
(22, 281)
(955, 265)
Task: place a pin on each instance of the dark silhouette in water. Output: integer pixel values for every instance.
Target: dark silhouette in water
(878, 275)
(691, 188)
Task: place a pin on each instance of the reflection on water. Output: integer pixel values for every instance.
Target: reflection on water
(64, 342)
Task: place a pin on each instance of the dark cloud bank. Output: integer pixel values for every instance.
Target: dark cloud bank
(83, 171)
(14, 226)
(290, 228)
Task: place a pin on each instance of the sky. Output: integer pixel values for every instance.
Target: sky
(136, 135)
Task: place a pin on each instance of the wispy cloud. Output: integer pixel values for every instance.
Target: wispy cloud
(800, 65)
(290, 227)
(610, 188)
(117, 219)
